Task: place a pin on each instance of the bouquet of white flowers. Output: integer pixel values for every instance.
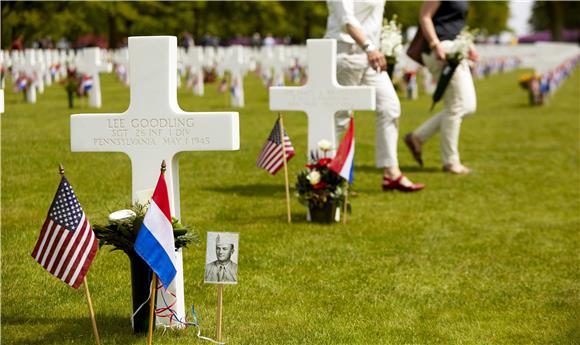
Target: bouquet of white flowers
(391, 43)
(459, 51)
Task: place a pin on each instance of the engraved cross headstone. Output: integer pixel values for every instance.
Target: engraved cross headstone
(91, 64)
(194, 62)
(153, 129)
(237, 67)
(321, 97)
(30, 68)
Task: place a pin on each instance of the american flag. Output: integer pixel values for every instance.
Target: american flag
(66, 245)
(271, 157)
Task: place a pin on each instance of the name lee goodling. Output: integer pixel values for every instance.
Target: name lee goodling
(150, 132)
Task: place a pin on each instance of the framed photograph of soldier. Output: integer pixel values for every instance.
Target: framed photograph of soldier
(221, 258)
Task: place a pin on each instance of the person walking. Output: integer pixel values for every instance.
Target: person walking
(356, 26)
(441, 22)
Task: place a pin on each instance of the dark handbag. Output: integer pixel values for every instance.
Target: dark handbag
(417, 46)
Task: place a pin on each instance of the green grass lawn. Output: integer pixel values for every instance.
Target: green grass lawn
(490, 258)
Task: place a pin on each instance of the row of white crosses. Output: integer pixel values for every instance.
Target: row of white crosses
(42, 67)
(153, 129)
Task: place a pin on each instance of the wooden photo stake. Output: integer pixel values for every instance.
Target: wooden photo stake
(218, 314)
(86, 285)
(285, 168)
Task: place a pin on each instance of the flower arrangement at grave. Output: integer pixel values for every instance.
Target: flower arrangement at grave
(71, 85)
(124, 225)
(319, 188)
(23, 82)
(531, 83)
(121, 233)
(460, 49)
(391, 43)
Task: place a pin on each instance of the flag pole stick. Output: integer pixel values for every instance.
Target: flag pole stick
(153, 287)
(218, 315)
(345, 207)
(152, 309)
(91, 311)
(285, 169)
(86, 285)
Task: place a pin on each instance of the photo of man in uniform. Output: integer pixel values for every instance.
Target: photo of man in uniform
(222, 270)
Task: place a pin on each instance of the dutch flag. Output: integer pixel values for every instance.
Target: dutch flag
(155, 243)
(343, 162)
(86, 83)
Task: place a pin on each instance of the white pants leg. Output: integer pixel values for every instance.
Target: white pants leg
(353, 69)
(459, 101)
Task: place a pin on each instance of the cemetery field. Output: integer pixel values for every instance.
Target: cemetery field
(490, 258)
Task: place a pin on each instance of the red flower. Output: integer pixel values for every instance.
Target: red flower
(323, 162)
(319, 185)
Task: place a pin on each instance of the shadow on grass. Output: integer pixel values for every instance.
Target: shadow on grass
(404, 169)
(64, 329)
(258, 189)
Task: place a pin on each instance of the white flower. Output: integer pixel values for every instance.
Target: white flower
(391, 38)
(121, 216)
(313, 177)
(324, 145)
(462, 43)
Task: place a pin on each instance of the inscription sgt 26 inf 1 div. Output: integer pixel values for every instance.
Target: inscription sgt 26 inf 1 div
(151, 131)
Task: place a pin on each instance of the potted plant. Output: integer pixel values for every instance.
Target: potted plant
(319, 188)
(121, 233)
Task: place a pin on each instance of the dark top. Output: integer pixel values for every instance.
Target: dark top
(449, 20)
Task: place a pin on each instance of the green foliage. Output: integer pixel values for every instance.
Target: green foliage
(555, 16)
(116, 20)
(122, 234)
(407, 12)
(490, 17)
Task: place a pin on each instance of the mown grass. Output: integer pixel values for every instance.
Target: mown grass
(490, 258)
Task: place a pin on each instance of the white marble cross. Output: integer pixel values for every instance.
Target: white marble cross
(121, 58)
(91, 64)
(194, 63)
(321, 97)
(238, 68)
(280, 64)
(154, 129)
(31, 68)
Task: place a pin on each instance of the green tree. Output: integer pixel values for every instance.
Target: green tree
(555, 16)
(490, 17)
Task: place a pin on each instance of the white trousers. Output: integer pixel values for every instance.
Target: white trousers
(459, 100)
(353, 69)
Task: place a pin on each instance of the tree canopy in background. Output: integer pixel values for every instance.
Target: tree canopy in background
(115, 20)
(555, 16)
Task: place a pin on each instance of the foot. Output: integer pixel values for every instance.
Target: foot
(401, 183)
(414, 144)
(458, 169)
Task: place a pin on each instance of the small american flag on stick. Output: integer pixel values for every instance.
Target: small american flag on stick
(271, 157)
(66, 245)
